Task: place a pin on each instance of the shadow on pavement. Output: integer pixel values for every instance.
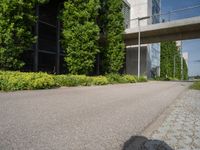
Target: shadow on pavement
(143, 143)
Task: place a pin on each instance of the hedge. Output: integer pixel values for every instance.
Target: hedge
(13, 81)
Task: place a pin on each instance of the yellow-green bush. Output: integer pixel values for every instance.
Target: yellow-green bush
(142, 79)
(115, 78)
(99, 80)
(80, 80)
(73, 80)
(12, 81)
(129, 78)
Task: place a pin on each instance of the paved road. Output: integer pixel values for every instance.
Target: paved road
(82, 118)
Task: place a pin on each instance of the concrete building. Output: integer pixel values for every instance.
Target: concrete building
(150, 53)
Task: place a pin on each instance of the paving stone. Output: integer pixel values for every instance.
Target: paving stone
(181, 129)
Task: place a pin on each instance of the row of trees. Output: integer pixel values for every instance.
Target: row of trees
(93, 27)
(170, 54)
(86, 23)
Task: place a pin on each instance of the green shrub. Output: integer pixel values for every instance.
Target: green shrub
(100, 80)
(73, 80)
(196, 86)
(115, 78)
(129, 78)
(142, 79)
(12, 81)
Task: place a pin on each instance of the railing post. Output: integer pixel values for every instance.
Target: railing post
(139, 48)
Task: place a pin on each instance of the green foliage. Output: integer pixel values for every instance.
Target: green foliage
(81, 34)
(196, 86)
(72, 80)
(115, 78)
(12, 81)
(82, 80)
(142, 79)
(113, 27)
(16, 20)
(129, 78)
(169, 52)
(99, 80)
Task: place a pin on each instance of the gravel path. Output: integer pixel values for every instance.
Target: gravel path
(181, 129)
(82, 118)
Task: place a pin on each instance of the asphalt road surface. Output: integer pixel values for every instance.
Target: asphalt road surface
(82, 118)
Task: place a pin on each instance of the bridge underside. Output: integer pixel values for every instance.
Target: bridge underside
(171, 31)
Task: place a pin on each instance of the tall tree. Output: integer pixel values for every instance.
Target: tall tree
(170, 53)
(81, 34)
(114, 27)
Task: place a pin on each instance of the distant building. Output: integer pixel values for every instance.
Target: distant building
(186, 57)
(179, 44)
(150, 53)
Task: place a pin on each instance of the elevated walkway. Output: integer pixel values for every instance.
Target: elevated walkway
(170, 31)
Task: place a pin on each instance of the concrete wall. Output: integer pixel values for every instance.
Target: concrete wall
(140, 8)
(132, 60)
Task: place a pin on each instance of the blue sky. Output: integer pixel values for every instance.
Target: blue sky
(190, 46)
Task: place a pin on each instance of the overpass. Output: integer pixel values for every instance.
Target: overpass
(168, 31)
(181, 24)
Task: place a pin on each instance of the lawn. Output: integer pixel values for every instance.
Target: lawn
(196, 85)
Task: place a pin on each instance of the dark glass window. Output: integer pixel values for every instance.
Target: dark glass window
(47, 37)
(28, 58)
(47, 62)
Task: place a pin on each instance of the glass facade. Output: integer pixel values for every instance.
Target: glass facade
(155, 11)
(154, 49)
(46, 55)
(126, 13)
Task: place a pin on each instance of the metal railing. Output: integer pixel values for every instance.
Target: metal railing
(188, 12)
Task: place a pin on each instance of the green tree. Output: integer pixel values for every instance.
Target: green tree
(16, 20)
(80, 34)
(169, 52)
(113, 50)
